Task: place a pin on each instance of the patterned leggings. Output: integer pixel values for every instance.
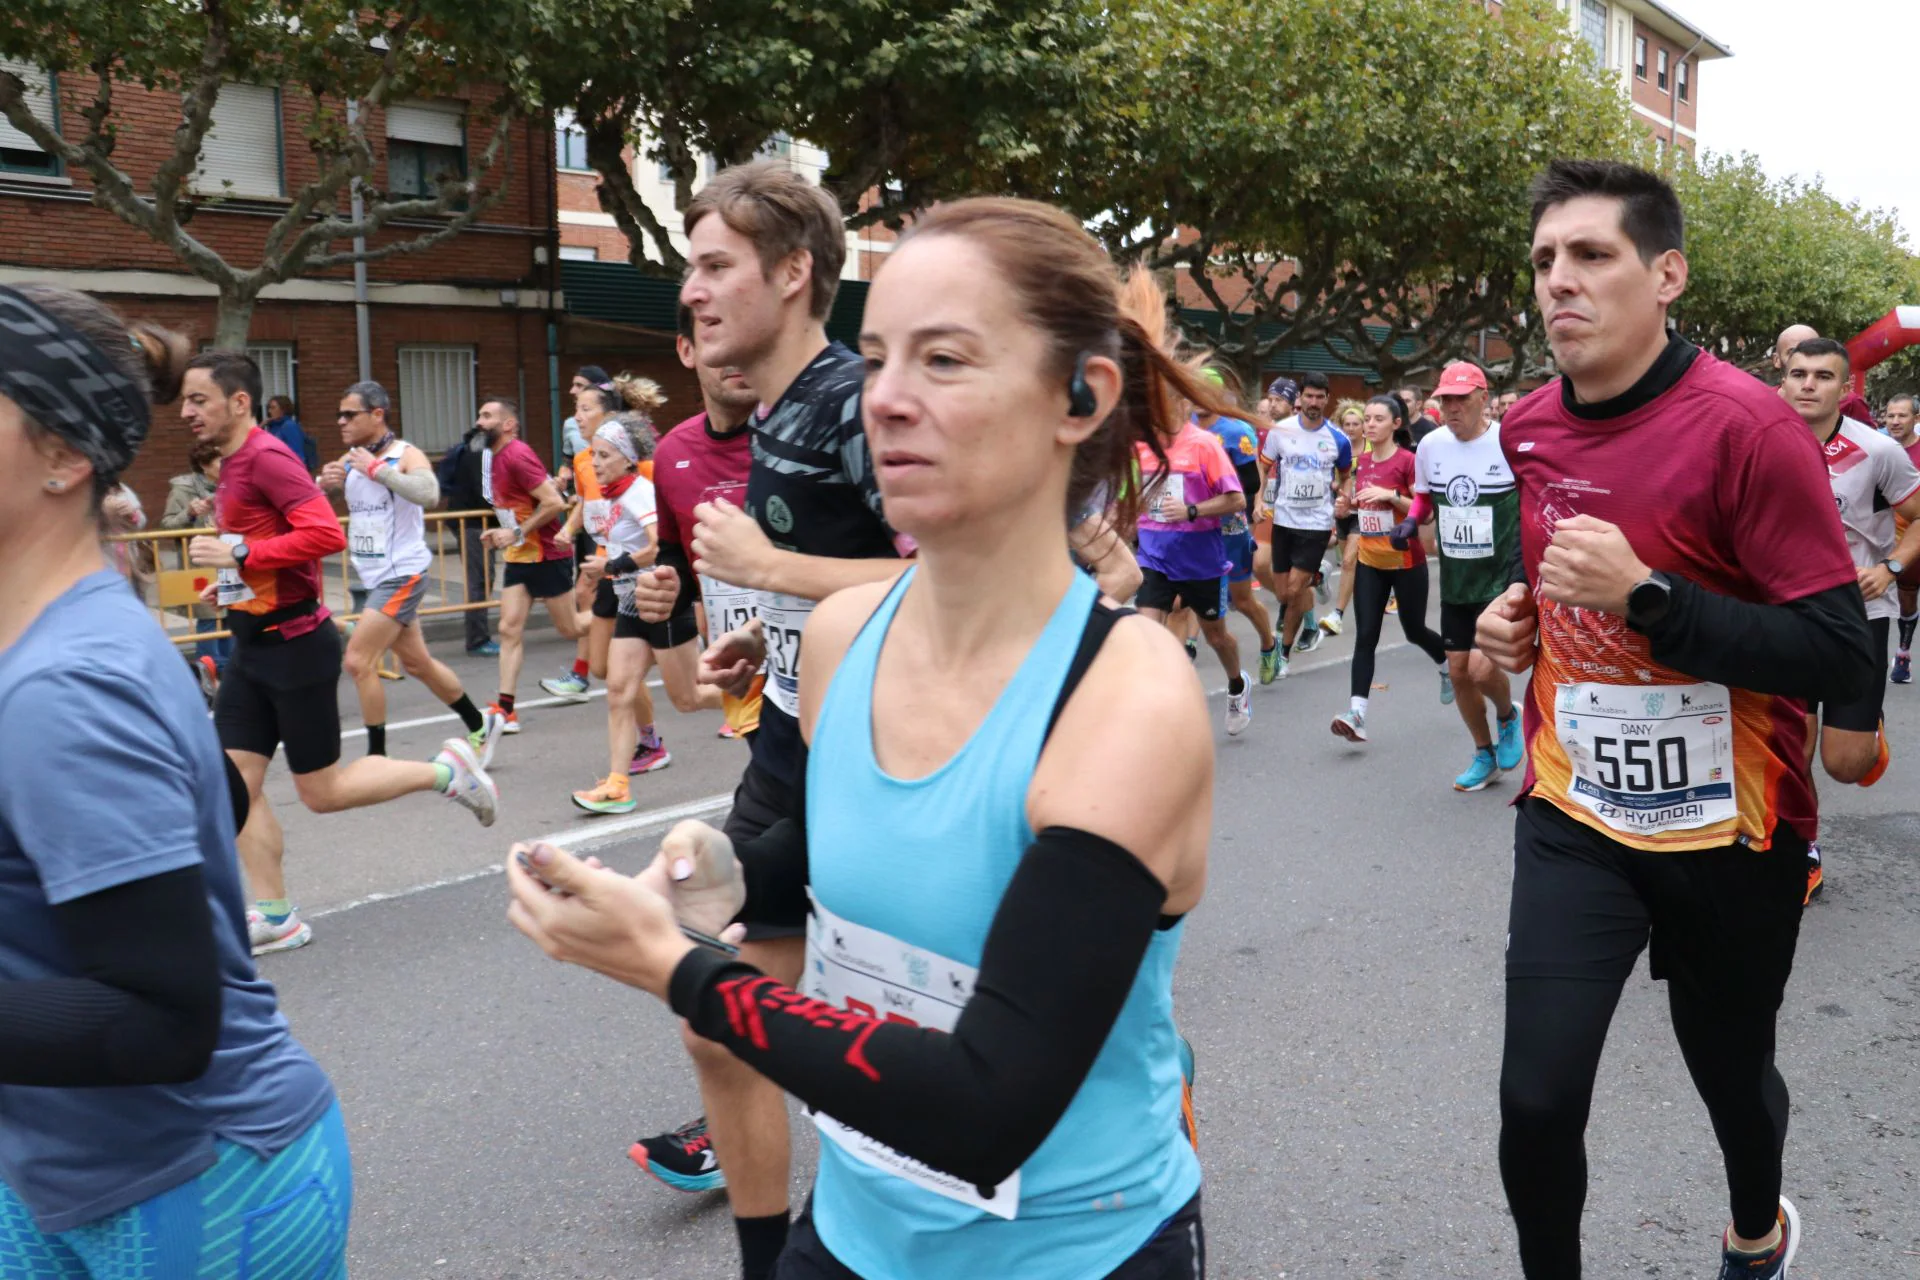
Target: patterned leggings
(244, 1219)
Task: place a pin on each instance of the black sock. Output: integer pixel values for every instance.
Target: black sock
(468, 713)
(1286, 651)
(1906, 630)
(1236, 686)
(506, 703)
(376, 739)
(761, 1240)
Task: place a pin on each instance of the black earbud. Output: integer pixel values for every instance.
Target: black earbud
(1080, 401)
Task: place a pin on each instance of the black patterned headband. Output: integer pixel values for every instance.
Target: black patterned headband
(64, 382)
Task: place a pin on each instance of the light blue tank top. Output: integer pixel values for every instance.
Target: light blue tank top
(906, 877)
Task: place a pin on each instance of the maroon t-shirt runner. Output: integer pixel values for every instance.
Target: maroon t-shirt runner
(266, 499)
(691, 465)
(513, 473)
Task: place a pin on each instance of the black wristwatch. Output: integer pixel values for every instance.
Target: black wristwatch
(240, 553)
(1193, 513)
(1894, 567)
(1648, 602)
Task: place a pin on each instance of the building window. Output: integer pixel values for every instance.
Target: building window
(426, 142)
(436, 395)
(18, 152)
(277, 367)
(1640, 57)
(1680, 79)
(1660, 76)
(1593, 27)
(569, 142)
(579, 253)
(240, 156)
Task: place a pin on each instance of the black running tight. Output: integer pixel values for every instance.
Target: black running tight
(1371, 587)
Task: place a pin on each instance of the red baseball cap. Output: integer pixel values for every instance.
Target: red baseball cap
(1460, 378)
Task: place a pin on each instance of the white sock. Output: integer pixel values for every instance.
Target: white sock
(1358, 706)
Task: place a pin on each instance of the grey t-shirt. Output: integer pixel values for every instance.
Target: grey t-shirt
(1871, 475)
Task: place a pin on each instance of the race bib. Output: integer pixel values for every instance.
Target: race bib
(1375, 524)
(783, 619)
(519, 551)
(1172, 504)
(1649, 758)
(229, 587)
(729, 608)
(367, 535)
(1466, 533)
(1270, 492)
(1306, 487)
(853, 967)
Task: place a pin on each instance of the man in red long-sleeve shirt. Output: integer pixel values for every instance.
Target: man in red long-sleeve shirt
(282, 684)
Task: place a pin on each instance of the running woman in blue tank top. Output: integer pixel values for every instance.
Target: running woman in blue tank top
(1004, 820)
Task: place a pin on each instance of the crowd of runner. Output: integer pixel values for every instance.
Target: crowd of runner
(1019, 448)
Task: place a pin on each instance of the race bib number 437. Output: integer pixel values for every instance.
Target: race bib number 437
(1649, 758)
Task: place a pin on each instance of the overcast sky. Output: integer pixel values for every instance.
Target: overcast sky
(1823, 88)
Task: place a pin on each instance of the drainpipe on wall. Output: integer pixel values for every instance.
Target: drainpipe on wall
(1673, 94)
(553, 292)
(362, 327)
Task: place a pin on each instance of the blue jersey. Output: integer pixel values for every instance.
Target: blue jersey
(1243, 451)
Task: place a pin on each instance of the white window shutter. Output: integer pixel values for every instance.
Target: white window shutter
(436, 395)
(240, 155)
(442, 124)
(39, 104)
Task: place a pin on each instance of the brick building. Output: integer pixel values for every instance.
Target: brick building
(1656, 55)
(469, 318)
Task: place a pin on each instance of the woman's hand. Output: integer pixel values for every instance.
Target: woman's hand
(583, 914)
(707, 887)
(733, 659)
(1374, 493)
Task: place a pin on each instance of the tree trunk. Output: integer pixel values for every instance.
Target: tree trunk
(233, 319)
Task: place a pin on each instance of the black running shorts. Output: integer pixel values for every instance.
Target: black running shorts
(660, 636)
(1301, 549)
(758, 802)
(283, 692)
(1457, 624)
(543, 579)
(1205, 596)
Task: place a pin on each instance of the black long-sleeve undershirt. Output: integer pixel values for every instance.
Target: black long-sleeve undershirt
(1059, 961)
(1818, 647)
(144, 1008)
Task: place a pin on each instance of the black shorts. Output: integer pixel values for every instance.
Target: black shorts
(584, 547)
(543, 579)
(1301, 549)
(605, 603)
(1457, 623)
(1177, 1251)
(285, 692)
(660, 636)
(1205, 596)
(1721, 922)
(758, 802)
(1346, 526)
(1862, 716)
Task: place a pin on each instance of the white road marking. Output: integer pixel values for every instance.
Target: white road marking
(445, 717)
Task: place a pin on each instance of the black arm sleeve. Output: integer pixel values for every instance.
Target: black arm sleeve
(1818, 647)
(145, 1007)
(1249, 473)
(1059, 961)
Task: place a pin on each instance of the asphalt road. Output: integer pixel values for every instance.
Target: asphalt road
(1341, 983)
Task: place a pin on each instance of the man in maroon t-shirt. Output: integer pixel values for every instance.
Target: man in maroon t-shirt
(539, 565)
(282, 685)
(1683, 590)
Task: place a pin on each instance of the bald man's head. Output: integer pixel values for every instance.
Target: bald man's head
(1790, 337)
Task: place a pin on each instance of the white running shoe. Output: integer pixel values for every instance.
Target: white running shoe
(487, 736)
(266, 937)
(1331, 623)
(568, 688)
(471, 788)
(1240, 707)
(1352, 726)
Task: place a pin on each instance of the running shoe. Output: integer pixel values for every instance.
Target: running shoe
(1446, 687)
(1321, 591)
(493, 723)
(1310, 635)
(1187, 1119)
(611, 796)
(568, 688)
(1193, 650)
(485, 649)
(1902, 668)
(1331, 623)
(648, 759)
(1482, 771)
(1240, 708)
(1279, 664)
(1351, 725)
(1270, 665)
(683, 1159)
(471, 788)
(726, 731)
(1393, 604)
(509, 720)
(1509, 751)
(1881, 762)
(267, 936)
(1816, 876)
(207, 672)
(1739, 1266)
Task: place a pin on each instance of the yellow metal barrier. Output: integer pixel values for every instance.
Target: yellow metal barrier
(173, 587)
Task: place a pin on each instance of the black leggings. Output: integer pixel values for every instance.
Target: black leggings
(1723, 924)
(1371, 587)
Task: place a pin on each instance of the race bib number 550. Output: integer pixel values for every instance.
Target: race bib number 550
(1649, 758)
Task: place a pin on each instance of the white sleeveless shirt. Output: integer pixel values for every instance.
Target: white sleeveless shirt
(386, 534)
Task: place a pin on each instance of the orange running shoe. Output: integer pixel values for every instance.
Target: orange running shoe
(1879, 769)
(611, 796)
(509, 720)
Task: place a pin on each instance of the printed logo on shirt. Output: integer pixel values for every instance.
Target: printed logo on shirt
(683, 464)
(1462, 491)
(1525, 446)
(779, 515)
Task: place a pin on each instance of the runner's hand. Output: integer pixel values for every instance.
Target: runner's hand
(598, 919)
(498, 539)
(1874, 580)
(732, 661)
(594, 566)
(199, 508)
(1374, 493)
(362, 461)
(1404, 533)
(333, 477)
(1590, 565)
(708, 888)
(210, 553)
(655, 592)
(729, 544)
(1509, 629)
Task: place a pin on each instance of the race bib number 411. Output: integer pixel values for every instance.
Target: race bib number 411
(872, 973)
(1649, 758)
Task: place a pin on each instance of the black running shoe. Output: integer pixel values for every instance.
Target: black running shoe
(683, 1159)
